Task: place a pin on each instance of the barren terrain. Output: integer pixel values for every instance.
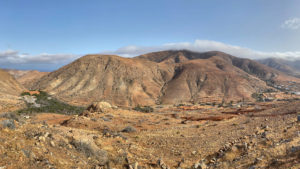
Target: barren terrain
(262, 136)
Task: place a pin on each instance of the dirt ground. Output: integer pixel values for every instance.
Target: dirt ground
(264, 135)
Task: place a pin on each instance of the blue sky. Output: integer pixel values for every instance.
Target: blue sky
(41, 30)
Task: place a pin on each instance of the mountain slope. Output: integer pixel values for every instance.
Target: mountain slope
(10, 90)
(249, 66)
(9, 85)
(166, 77)
(26, 77)
(210, 76)
(286, 66)
(121, 81)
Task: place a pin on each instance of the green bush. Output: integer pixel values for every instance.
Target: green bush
(145, 109)
(257, 96)
(49, 104)
(180, 104)
(25, 93)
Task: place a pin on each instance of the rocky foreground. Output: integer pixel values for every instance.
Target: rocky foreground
(104, 136)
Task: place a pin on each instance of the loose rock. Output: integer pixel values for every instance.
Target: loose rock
(129, 129)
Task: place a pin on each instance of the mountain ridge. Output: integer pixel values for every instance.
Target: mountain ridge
(26, 77)
(10, 91)
(166, 77)
(290, 67)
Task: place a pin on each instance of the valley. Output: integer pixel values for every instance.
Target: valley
(169, 109)
(160, 84)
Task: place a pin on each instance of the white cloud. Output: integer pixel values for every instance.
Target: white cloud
(204, 46)
(44, 61)
(293, 24)
(14, 57)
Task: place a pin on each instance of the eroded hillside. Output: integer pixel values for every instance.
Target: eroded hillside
(26, 77)
(10, 91)
(168, 77)
(121, 81)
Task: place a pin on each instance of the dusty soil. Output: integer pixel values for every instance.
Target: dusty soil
(265, 135)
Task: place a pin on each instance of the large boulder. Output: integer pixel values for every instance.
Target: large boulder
(97, 107)
(129, 129)
(100, 107)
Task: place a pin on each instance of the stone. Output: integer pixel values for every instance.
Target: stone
(47, 134)
(27, 153)
(41, 138)
(265, 135)
(162, 164)
(100, 107)
(200, 165)
(234, 148)
(267, 128)
(8, 124)
(136, 165)
(105, 119)
(183, 122)
(52, 143)
(298, 118)
(295, 149)
(114, 107)
(129, 129)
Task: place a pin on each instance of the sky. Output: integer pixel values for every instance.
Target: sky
(45, 35)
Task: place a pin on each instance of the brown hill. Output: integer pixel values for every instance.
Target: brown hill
(210, 76)
(121, 81)
(26, 77)
(247, 65)
(9, 85)
(166, 77)
(10, 90)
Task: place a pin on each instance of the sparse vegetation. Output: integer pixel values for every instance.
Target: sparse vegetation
(257, 96)
(49, 105)
(25, 93)
(9, 115)
(145, 109)
(230, 104)
(269, 90)
(181, 104)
